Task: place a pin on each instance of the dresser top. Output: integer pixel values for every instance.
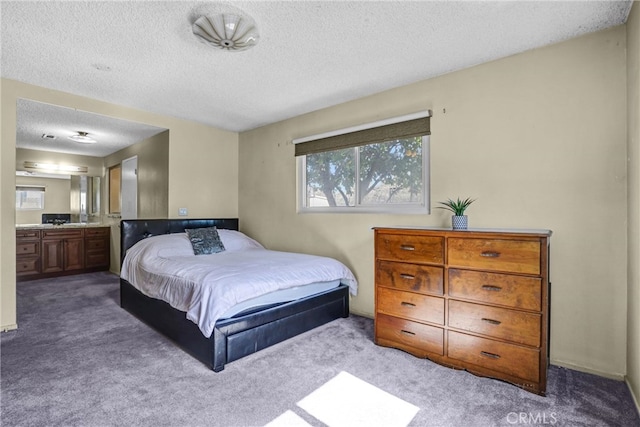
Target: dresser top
(470, 230)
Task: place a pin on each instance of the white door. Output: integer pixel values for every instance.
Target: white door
(129, 188)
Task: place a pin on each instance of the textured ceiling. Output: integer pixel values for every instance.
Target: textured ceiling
(38, 122)
(311, 54)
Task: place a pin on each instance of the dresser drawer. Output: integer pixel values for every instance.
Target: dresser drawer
(411, 334)
(517, 326)
(96, 232)
(410, 305)
(410, 277)
(517, 256)
(28, 248)
(512, 359)
(412, 248)
(494, 288)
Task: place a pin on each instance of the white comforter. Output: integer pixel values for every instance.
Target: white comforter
(205, 286)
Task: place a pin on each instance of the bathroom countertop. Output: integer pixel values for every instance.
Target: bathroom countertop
(68, 225)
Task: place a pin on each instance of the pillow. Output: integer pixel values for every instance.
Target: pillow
(205, 240)
(237, 241)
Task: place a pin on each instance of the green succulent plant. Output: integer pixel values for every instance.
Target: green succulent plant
(457, 206)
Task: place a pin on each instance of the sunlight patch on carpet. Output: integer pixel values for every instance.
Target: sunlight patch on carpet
(288, 419)
(347, 401)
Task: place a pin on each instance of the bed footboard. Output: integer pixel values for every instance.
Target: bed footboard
(237, 337)
(249, 334)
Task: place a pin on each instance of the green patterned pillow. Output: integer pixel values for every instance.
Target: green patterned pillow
(205, 240)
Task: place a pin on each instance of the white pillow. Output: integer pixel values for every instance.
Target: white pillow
(237, 241)
(164, 246)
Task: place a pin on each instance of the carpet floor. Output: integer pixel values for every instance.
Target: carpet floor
(78, 359)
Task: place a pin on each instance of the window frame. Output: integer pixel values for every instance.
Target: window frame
(423, 208)
(31, 188)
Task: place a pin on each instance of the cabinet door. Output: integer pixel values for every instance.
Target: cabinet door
(52, 255)
(73, 254)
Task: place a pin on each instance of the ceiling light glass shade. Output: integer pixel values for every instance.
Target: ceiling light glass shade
(227, 31)
(83, 137)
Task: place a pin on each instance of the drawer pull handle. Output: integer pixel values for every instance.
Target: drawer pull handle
(407, 304)
(490, 254)
(491, 288)
(407, 276)
(407, 247)
(493, 322)
(407, 332)
(490, 355)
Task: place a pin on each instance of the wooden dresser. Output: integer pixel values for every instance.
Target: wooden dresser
(474, 299)
(57, 251)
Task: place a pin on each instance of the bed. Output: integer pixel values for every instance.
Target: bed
(234, 337)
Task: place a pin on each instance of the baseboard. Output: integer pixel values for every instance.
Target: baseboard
(7, 328)
(633, 395)
(360, 313)
(618, 377)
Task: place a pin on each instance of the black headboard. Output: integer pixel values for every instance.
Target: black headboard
(134, 230)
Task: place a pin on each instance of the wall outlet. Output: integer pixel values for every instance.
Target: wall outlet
(182, 211)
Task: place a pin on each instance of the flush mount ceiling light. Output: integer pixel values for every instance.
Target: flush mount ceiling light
(83, 138)
(227, 31)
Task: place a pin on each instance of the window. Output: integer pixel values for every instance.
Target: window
(377, 169)
(29, 197)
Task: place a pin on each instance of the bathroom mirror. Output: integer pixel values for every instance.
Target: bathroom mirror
(85, 198)
(95, 195)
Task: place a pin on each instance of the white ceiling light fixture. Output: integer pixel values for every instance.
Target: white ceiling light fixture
(83, 137)
(227, 31)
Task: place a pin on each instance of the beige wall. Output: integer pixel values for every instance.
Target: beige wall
(56, 198)
(538, 138)
(153, 184)
(633, 195)
(153, 176)
(214, 168)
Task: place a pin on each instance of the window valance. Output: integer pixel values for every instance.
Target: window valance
(408, 126)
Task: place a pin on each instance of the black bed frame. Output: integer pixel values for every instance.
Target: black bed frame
(232, 338)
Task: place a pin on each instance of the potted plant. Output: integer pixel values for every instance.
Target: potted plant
(459, 219)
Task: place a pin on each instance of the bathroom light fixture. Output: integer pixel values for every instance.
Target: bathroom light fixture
(227, 31)
(83, 138)
(52, 167)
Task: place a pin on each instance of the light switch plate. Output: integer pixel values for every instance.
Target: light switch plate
(182, 211)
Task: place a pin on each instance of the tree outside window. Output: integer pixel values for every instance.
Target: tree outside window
(390, 174)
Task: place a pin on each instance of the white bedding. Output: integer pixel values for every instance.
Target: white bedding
(280, 296)
(207, 286)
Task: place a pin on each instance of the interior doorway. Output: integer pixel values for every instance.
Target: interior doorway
(129, 188)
